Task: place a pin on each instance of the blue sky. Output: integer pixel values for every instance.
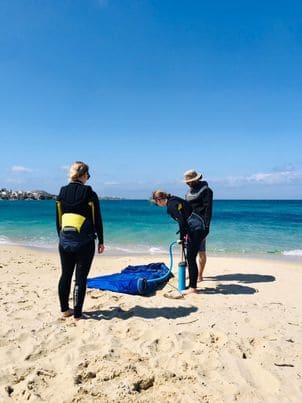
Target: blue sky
(143, 90)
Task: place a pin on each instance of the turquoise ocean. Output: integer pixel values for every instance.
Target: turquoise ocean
(239, 227)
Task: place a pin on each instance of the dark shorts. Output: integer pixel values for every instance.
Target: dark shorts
(202, 246)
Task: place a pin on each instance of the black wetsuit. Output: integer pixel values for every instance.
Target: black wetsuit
(191, 225)
(200, 198)
(74, 198)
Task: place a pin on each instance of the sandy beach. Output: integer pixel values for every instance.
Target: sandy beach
(238, 339)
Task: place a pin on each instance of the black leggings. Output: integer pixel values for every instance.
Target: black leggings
(192, 251)
(81, 261)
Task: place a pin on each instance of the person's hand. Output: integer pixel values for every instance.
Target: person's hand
(183, 240)
(101, 248)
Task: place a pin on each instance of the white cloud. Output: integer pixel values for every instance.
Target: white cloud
(288, 167)
(20, 169)
(274, 178)
(263, 178)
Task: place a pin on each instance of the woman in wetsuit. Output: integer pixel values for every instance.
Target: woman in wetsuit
(190, 228)
(79, 220)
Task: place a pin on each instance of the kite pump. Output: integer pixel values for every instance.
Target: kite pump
(142, 283)
(182, 268)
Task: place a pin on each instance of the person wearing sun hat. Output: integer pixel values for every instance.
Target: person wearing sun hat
(200, 198)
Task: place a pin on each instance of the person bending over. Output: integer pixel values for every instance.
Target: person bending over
(190, 230)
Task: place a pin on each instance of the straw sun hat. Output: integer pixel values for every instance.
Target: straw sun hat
(191, 176)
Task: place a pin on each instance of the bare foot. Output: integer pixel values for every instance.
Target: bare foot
(189, 291)
(67, 313)
(83, 316)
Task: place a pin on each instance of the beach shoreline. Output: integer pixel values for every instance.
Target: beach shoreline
(239, 338)
(164, 255)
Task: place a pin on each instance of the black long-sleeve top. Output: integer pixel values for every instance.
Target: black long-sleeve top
(74, 198)
(180, 210)
(200, 198)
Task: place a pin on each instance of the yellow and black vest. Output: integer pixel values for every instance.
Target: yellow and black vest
(75, 212)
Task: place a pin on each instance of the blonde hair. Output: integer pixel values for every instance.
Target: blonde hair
(159, 195)
(77, 169)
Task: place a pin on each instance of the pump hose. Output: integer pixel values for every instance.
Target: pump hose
(142, 283)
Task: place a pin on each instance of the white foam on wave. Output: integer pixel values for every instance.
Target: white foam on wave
(120, 249)
(49, 243)
(136, 250)
(41, 242)
(156, 251)
(41, 245)
(4, 240)
(294, 252)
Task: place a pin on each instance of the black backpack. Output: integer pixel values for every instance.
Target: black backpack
(76, 216)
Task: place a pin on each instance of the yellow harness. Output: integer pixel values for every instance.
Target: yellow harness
(72, 220)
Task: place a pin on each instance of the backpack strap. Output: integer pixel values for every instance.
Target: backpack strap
(59, 208)
(91, 204)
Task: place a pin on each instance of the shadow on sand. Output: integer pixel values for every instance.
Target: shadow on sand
(236, 289)
(140, 311)
(243, 278)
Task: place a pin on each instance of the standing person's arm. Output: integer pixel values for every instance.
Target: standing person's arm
(58, 216)
(207, 203)
(98, 224)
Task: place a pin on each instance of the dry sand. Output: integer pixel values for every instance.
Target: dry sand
(239, 339)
